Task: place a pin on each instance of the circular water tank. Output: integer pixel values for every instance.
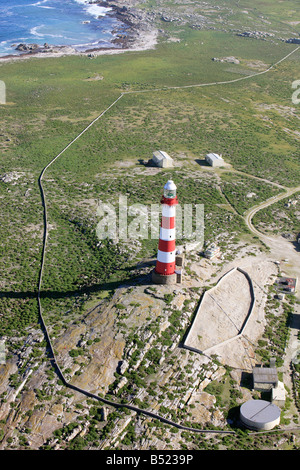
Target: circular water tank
(260, 414)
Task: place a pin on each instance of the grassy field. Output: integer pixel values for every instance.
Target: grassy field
(251, 122)
(49, 101)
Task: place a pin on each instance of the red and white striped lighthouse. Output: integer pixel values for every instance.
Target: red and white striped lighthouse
(165, 264)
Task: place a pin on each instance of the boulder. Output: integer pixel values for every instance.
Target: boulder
(27, 47)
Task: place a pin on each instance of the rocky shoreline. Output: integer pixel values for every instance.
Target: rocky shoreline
(136, 31)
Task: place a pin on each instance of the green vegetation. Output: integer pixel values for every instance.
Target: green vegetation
(282, 217)
(50, 101)
(243, 192)
(276, 333)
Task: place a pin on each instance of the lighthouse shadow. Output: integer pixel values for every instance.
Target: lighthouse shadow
(140, 274)
(139, 279)
(145, 264)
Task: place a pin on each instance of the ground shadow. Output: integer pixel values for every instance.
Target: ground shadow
(147, 162)
(202, 162)
(233, 416)
(56, 294)
(246, 380)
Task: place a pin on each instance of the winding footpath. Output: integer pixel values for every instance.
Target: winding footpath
(281, 249)
(251, 213)
(45, 236)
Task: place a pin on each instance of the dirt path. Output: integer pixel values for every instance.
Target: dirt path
(45, 219)
(250, 214)
(280, 248)
(288, 254)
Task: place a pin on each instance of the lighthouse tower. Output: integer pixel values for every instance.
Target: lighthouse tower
(164, 272)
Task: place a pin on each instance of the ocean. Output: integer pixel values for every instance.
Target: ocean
(55, 22)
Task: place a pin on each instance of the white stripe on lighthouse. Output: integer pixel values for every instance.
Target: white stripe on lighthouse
(167, 233)
(168, 211)
(165, 257)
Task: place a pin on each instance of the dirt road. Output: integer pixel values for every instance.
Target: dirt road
(288, 253)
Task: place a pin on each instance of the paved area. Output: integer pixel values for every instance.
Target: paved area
(222, 312)
(225, 308)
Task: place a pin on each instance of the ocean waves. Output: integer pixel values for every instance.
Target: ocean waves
(75, 23)
(41, 5)
(93, 10)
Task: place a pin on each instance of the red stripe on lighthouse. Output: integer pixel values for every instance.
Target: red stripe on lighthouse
(168, 222)
(170, 202)
(165, 268)
(165, 264)
(166, 245)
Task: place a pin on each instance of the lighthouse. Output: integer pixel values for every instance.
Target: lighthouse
(164, 272)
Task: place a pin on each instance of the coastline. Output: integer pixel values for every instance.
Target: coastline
(136, 32)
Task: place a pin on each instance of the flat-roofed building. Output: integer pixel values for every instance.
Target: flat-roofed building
(286, 285)
(213, 159)
(278, 394)
(264, 378)
(162, 159)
